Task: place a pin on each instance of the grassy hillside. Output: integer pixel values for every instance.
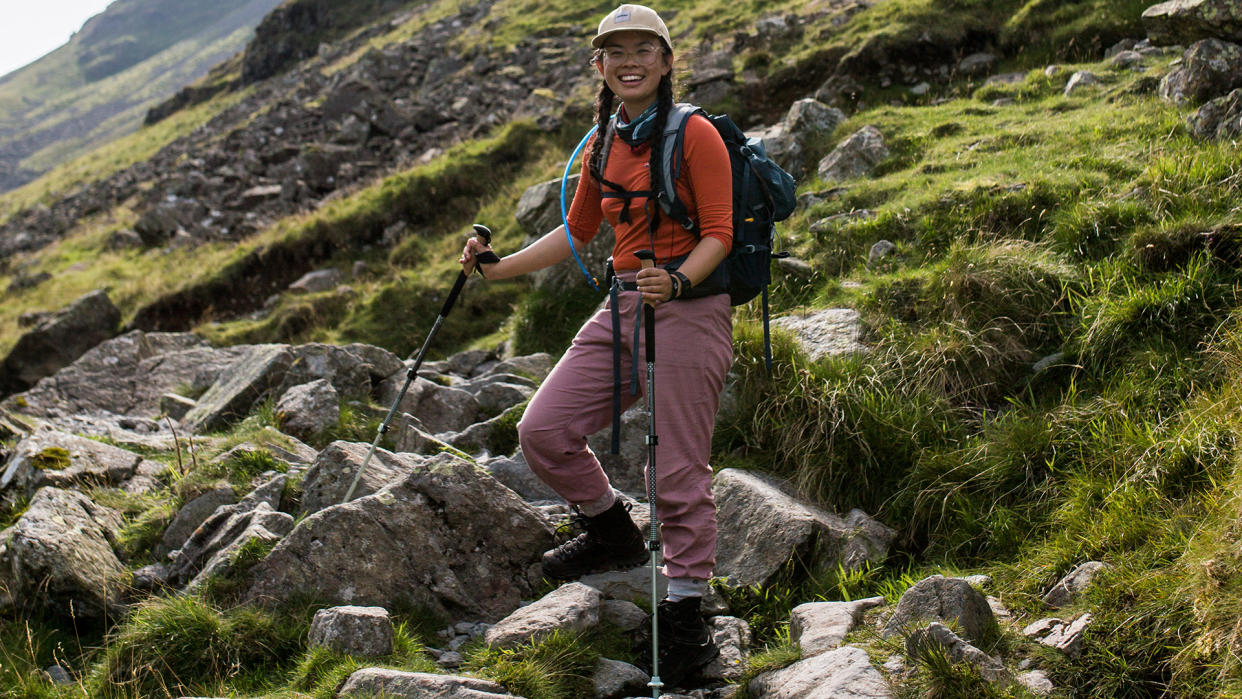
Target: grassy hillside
(1090, 231)
(98, 86)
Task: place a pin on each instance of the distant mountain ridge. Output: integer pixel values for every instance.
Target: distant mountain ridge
(99, 85)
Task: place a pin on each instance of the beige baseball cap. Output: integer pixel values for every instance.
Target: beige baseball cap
(631, 18)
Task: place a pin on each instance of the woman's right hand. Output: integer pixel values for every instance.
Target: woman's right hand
(470, 254)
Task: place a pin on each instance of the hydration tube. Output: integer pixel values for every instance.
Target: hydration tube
(564, 214)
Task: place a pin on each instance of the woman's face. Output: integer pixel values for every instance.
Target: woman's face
(632, 64)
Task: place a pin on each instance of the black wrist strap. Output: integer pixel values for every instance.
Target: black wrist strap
(684, 284)
(486, 257)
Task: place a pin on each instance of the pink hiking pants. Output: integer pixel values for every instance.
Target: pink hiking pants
(694, 350)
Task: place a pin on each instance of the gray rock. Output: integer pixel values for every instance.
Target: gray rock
(1037, 682)
(496, 397)
(1209, 69)
(447, 535)
(176, 406)
(939, 636)
(354, 370)
(976, 64)
(825, 333)
(59, 675)
(783, 147)
(624, 615)
(614, 679)
(845, 673)
(1079, 80)
(361, 631)
(938, 598)
(128, 374)
(437, 408)
(855, 156)
(495, 436)
(571, 607)
(517, 476)
(1064, 636)
(809, 117)
(59, 339)
(395, 684)
(539, 208)
(1071, 587)
(329, 478)
(762, 529)
(48, 457)
(627, 585)
(732, 636)
(880, 250)
(1187, 21)
(59, 553)
(240, 387)
(1127, 59)
(309, 410)
(450, 660)
(225, 527)
(191, 515)
(818, 627)
(262, 525)
(1220, 118)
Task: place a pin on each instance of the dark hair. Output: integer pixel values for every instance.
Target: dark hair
(604, 108)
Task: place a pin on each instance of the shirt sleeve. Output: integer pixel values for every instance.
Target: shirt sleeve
(711, 180)
(585, 213)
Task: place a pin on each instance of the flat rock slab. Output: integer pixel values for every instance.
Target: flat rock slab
(395, 684)
(571, 607)
(51, 458)
(1065, 636)
(448, 535)
(762, 528)
(818, 627)
(328, 479)
(844, 673)
(1187, 21)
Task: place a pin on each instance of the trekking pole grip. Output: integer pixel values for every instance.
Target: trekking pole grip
(485, 236)
(647, 258)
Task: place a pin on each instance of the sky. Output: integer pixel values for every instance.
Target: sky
(33, 28)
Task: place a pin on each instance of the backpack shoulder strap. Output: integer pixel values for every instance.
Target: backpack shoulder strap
(670, 163)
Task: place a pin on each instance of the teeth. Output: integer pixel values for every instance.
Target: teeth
(631, 78)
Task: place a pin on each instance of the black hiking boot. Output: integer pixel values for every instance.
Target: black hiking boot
(611, 542)
(686, 644)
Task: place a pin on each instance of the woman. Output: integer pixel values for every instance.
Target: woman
(634, 57)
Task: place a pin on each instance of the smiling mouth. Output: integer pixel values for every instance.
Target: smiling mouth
(630, 79)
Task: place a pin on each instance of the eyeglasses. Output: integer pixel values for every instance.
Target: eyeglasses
(644, 56)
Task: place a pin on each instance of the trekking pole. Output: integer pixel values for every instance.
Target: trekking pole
(485, 235)
(653, 540)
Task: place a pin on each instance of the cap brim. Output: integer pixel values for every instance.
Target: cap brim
(598, 41)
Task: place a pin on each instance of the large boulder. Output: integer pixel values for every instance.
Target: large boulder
(942, 599)
(259, 370)
(1210, 68)
(763, 529)
(128, 375)
(59, 339)
(806, 121)
(845, 673)
(437, 408)
(1220, 119)
(59, 556)
(447, 535)
(856, 156)
(572, 607)
(354, 370)
(1187, 21)
(50, 458)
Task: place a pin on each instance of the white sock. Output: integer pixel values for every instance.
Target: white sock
(681, 588)
(600, 506)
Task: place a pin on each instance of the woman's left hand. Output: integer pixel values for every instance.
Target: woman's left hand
(654, 284)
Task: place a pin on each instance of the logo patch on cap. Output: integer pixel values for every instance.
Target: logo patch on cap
(623, 16)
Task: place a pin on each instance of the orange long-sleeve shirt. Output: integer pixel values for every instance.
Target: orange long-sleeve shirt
(705, 187)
